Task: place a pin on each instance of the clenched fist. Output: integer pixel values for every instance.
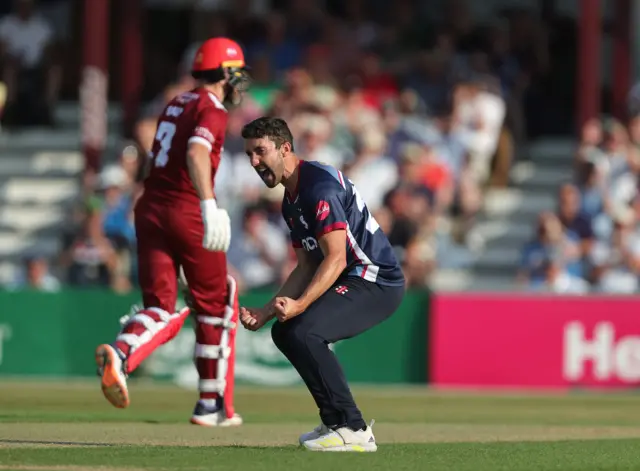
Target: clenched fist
(287, 308)
(217, 227)
(254, 318)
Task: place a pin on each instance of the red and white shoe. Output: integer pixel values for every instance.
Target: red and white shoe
(114, 380)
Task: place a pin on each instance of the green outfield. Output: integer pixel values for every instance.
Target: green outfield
(57, 426)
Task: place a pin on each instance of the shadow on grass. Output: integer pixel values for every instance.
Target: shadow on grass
(51, 442)
(265, 447)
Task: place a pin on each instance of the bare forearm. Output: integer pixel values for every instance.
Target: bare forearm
(295, 284)
(199, 165)
(324, 277)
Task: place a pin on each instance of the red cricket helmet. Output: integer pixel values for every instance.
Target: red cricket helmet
(218, 53)
(220, 58)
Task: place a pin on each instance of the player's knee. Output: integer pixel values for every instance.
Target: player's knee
(279, 335)
(304, 338)
(309, 340)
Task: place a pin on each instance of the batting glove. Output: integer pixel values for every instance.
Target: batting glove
(217, 226)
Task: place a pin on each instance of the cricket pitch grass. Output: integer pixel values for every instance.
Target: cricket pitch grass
(70, 426)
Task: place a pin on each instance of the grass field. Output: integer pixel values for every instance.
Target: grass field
(57, 426)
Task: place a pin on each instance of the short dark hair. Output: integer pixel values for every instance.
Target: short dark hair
(276, 129)
(210, 76)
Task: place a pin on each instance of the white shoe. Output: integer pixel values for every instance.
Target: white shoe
(315, 433)
(213, 418)
(114, 380)
(344, 439)
(217, 419)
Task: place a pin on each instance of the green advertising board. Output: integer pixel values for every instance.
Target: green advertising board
(43, 334)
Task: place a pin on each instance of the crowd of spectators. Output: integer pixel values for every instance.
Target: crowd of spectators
(591, 243)
(423, 111)
(421, 120)
(31, 73)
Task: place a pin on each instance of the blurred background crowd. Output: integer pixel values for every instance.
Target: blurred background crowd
(591, 242)
(421, 105)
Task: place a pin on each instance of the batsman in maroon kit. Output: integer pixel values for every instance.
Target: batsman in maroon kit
(179, 226)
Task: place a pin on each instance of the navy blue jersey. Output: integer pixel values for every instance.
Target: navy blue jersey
(326, 201)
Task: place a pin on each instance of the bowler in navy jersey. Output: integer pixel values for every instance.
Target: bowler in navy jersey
(325, 201)
(346, 281)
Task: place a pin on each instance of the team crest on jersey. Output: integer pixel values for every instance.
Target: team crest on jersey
(322, 210)
(304, 223)
(342, 289)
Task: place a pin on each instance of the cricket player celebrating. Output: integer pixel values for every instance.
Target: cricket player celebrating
(346, 281)
(178, 224)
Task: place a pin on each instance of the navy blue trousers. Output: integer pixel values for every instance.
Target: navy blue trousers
(349, 308)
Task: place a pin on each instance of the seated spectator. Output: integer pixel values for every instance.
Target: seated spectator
(35, 275)
(295, 96)
(421, 254)
(258, 250)
(595, 196)
(616, 264)
(404, 128)
(378, 85)
(315, 139)
(355, 114)
(271, 201)
(593, 193)
(633, 100)
(558, 280)
(29, 71)
(466, 199)
(634, 131)
(89, 258)
(513, 80)
(614, 159)
(133, 162)
(590, 139)
(283, 52)
(318, 63)
(117, 194)
(395, 220)
(362, 31)
(421, 169)
(408, 220)
(572, 219)
(551, 241)
(117, 206)
(371, 171)
(479, 115)
(430, 79)
(264, 87)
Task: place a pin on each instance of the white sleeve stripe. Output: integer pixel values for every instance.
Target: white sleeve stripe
(342, 180)
(200, 140)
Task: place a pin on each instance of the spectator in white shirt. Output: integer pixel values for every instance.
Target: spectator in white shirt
(558, 280)
(31, 77)
(314, 141)
(371, 171)
(479, 115)
(616, 263)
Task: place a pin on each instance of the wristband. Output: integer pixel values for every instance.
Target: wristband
(208, 205)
